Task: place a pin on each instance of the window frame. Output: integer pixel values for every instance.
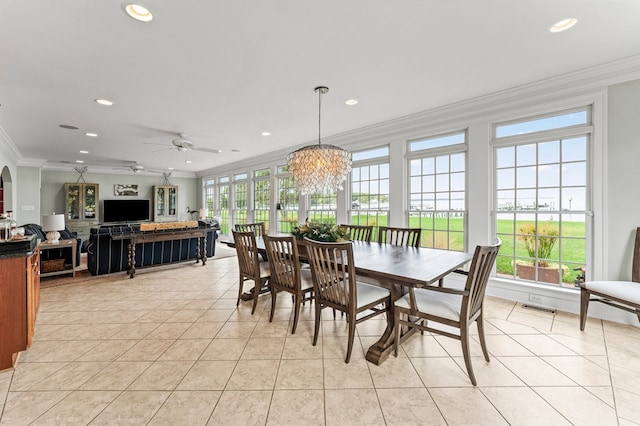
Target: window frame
(439, 151)
(540, 137)
(376, 213)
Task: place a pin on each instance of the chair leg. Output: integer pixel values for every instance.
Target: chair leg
(352, 333)
(256, 293)
(464, 338)
(274, 294)
(584, 307)
(240, 286)
(483, 343)
(296, 313)
(317, 324)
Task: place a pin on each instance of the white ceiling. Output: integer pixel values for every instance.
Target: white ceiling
(224, 72)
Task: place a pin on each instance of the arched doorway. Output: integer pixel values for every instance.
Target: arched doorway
(5, 190)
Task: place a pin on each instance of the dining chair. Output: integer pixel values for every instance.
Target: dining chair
(335, 286)
(287, 275)
(250, 266)
(359, 232)
(257, 228)
(623, 295)
(409, 237)
(451, 307)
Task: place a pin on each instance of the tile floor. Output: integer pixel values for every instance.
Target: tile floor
(169, 347)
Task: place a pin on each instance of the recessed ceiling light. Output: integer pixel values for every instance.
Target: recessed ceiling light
(563, 25)
(92, 135)
(170, 168)
(68, 126)
(105, 102)
(79, 161)
(84, 152)
(188, 161)
(352, 102)
(266, 134)
(138, 12)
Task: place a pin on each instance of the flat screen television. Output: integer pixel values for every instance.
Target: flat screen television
(126, 210)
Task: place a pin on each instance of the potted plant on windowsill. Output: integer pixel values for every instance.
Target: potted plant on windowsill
(539, 243)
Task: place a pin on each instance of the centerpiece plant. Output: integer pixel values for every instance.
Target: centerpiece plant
(324, 232)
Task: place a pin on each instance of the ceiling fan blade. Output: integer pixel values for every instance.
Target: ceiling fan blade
(213, 151)
(155, 143)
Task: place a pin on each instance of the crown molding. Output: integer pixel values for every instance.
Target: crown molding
(8, 148)
(111, 171)
(32, 162)
(571, 85)
(577, 86)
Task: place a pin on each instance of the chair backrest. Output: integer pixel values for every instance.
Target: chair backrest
(409, 237)
(284, 263)
(635, 268)
(257, 228)
(247, 250)
(333, 271)
(483, 260)
(360, 232)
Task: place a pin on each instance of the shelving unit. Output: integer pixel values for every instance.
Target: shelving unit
(82, 207)
(165, 203)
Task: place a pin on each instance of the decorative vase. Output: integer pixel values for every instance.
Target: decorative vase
(545, 274)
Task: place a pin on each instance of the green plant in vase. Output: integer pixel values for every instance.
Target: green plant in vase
(539, 243)
(539, 248)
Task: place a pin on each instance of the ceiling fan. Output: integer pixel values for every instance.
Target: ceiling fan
(182, 144)
(136, 168)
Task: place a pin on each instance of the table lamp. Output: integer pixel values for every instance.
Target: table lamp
(204, 213)
(51, 224)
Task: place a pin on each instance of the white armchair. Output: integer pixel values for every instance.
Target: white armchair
(619, 294)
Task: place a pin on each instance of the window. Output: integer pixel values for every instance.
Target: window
(370, 188)
(223, 204)
(538, 124)
(240, 198)
(437, 142)
(437, 183)
(542, 199)
(288, 201)
(209, 196)
(261, 197)
(322, 208)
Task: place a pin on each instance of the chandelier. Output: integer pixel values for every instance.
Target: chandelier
(319, 168)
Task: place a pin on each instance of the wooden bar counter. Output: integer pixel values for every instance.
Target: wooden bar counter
(19, 297)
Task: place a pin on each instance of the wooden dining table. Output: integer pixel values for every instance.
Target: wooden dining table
(396, 268)
(399, 267)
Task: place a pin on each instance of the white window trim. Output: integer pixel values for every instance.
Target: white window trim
(557, 297)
